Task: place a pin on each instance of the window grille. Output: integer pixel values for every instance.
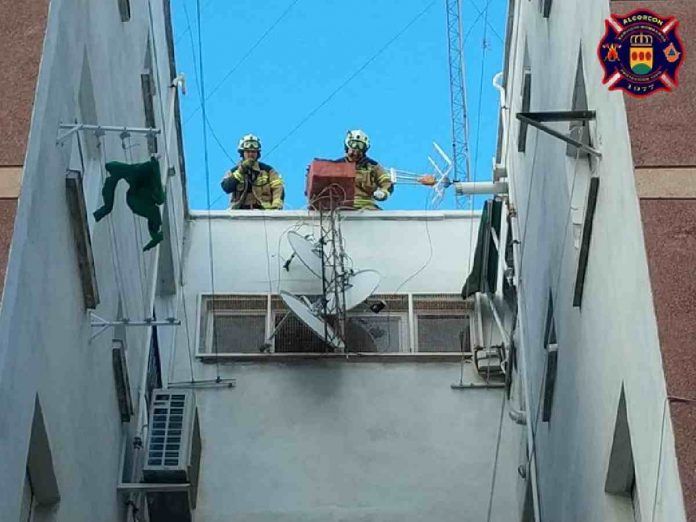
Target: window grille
(443, 333)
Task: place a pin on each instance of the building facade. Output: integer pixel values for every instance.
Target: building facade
(606, 366)
(374, 433)
(62, 432)
(560, 389)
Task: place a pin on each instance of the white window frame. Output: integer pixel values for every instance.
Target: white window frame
(408, 322)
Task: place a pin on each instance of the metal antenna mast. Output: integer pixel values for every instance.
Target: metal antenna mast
(457, 73)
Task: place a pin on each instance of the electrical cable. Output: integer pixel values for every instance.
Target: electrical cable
(188, 23)
(495, 460)
(350, 78)
(243, 59)
(480, 14)
(211, 251)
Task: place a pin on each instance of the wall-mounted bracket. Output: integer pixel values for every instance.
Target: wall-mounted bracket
(102, 324)
(537, 119)
(71, 128)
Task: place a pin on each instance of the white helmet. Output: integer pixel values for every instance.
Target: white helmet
(249, 142)
(357, 139)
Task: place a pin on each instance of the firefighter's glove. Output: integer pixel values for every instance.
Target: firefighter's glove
(246, 166)
(380, 195)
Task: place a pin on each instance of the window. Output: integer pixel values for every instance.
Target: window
(579, 130)
(545, 7)
(586, 237)
(294, 336)
(154, 366)
(376, 333)
(124, 10)
(237, 332)
(443, 333)
(550, 327)
(551, 346)
(526, 104)
(621, 482)
(147, 85)
(40, 491)
(88, 110)
(238, 324)
(579, 166)
(77, 207)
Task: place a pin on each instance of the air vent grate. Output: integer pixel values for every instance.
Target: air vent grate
(166, 430)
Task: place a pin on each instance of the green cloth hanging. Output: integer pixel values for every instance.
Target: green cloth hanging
(484, 272)
(143, 197)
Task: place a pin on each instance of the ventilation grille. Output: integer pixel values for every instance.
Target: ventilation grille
(443, 333)
(440, 302)
(166, 430)
(235, 303)
(296, 337)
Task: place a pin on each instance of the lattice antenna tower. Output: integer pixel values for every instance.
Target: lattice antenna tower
(457, 72)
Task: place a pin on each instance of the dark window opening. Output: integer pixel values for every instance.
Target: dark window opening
(579, 130)
(296, 337)
(443, 333)
(154, 367)
(240, 333)
(526, 104)
(124, 10)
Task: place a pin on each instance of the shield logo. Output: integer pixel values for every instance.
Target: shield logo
(641, 53)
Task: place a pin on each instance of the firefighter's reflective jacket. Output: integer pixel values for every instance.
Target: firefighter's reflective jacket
(254, 185)
(369, 177)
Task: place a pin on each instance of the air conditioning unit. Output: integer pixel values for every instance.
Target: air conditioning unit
(173, 455)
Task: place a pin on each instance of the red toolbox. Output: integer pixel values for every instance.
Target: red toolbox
(330, 184)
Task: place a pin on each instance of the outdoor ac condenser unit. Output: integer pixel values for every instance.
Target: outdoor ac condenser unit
(173, 455)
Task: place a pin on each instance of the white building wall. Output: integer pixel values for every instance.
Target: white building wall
(332, 440)
(612, 339)
(45, 347)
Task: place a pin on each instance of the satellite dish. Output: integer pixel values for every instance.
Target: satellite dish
(361, 285)
(312, 320)
(307, 251)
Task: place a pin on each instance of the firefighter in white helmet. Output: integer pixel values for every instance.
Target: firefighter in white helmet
(372, 182)
(253, 184)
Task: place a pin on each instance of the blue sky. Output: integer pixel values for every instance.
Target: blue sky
(400, 98)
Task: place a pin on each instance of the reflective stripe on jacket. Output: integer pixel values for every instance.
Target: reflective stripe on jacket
(369, 176)
(266, 190)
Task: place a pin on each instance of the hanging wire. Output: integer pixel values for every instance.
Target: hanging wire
(350, 78)
(128, 158)
(188, 22)
(593, 170)
(480, 14)
(115, 258)
(472, 198)
(242, 60)
(200, 95)
(497, 455)
(211, 250)
(166, 151)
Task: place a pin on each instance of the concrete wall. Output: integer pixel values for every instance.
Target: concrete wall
(353, 442)
(333, 440)
(611, 341)
(45, 350)
(395, 243)
(665, 172)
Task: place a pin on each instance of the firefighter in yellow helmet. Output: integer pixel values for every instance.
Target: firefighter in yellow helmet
(372, 182)
(253, 185)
